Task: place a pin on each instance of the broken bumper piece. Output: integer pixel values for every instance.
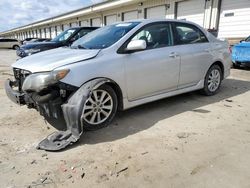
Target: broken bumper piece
(72, 111)
(57, 141)
(14, 95)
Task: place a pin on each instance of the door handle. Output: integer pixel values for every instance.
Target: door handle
(207, 50)
(173, 55)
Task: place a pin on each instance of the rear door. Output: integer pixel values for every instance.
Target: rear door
(194, 51)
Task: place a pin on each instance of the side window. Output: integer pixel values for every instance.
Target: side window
(156, 35)
(12, 40)
(188, 34)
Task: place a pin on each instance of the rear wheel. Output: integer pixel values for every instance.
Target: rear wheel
(236, 66)
(100, 108)
(212, 80)
(15, 47)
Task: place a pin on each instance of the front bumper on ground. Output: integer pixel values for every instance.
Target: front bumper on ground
(14, 95)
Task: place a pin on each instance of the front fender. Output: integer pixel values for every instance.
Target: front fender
(72, 111)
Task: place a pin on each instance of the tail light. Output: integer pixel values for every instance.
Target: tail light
(230, 49)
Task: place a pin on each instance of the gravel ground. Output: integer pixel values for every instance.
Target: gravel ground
(184, 141)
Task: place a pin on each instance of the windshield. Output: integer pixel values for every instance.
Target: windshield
(248, 39)
(64, 35)
(105, 36)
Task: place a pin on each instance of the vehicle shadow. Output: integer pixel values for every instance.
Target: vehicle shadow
(143, 117)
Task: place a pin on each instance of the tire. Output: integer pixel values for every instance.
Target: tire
(94, 115)
(212, 81)
(15, 47)
(235, 66)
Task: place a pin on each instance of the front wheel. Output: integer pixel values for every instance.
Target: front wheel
(100, 108)
(212, 80)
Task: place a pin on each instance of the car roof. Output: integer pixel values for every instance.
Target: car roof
(87, 27)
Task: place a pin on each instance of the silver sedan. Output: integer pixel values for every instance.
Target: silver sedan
(118, 67)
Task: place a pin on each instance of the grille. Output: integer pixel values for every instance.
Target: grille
(20, 76)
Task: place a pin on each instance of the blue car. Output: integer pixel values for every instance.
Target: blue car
(241, 53)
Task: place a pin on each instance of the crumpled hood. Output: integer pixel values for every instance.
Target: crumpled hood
(51, 59)
(38, 45)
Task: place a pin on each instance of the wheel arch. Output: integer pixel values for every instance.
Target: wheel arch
(220, 64)
(114, 86)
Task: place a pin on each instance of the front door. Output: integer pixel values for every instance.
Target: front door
(156, 69)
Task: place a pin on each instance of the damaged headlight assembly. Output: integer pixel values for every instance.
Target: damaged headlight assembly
(39, 81)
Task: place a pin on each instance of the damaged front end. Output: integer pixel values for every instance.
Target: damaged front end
(53, 99)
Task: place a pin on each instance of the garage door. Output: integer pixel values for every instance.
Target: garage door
(53, 32)
(110, 19)
(96, 22)
(192, 10)
(43, 34)
(48, 33)
(66, 26)
(130, 15)
(234, 19)
(74, 24)
(156, 12)
(85, 23)
(58, 29)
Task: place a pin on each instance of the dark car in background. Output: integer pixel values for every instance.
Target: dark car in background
(65, 38)
(27, 40)
(37, 40)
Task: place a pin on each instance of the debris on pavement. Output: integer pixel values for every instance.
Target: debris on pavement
(69, 176)
(201, 111)
(120, 171)
(184, 134)
(44, 155)
(82, 175)
(33, 162)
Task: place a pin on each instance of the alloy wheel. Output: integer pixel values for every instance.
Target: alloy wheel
(214, 80)
(98, 107)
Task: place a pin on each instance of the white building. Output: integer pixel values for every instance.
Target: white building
(231, 18)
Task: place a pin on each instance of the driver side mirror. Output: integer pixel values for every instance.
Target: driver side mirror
(136, 45)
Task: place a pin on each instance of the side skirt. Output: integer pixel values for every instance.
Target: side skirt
(129, 104)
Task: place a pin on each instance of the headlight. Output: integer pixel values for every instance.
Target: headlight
(32, 51)
(39, 81)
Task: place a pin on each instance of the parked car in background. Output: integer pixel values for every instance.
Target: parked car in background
(65, 38)
(118, 66)
(10, 43)
(27, 40)
(241, 53)
(38, 40)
